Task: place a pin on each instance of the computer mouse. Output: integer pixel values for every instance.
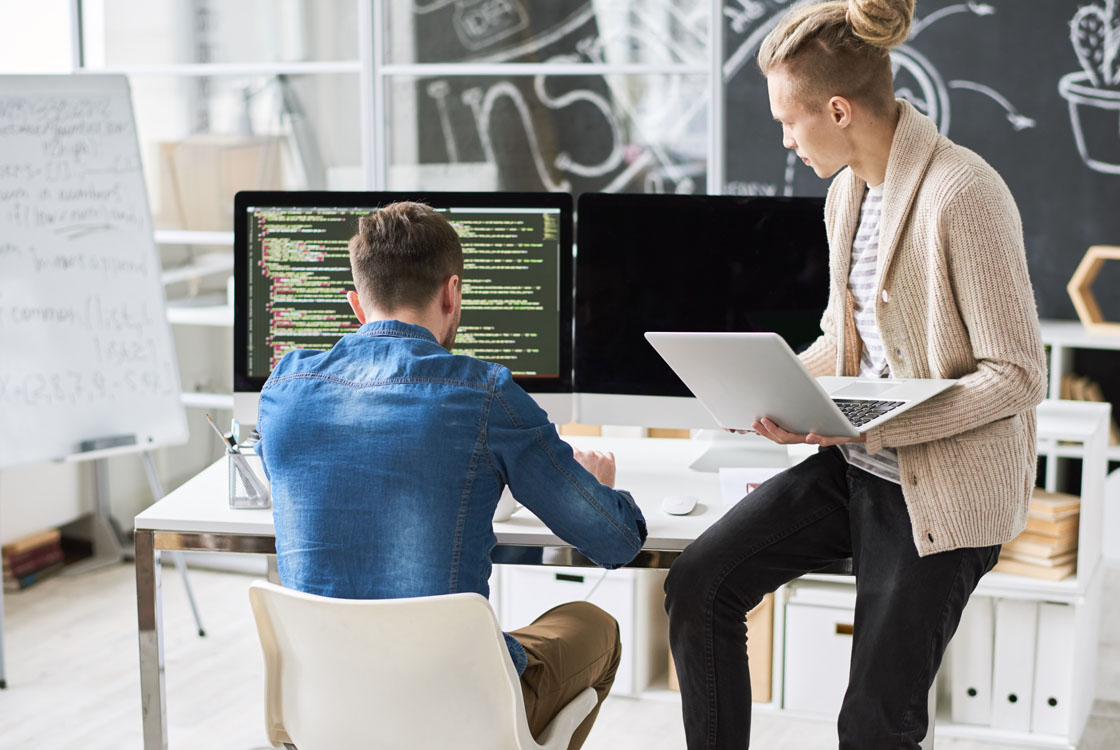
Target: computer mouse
(679, 505)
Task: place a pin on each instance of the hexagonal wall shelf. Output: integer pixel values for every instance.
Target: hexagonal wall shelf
(1080, 289)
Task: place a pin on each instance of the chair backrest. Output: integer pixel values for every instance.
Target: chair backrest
(429, 672)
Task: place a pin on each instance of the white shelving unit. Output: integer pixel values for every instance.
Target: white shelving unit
(1074, 429)
(200, 315)
(1064, 337)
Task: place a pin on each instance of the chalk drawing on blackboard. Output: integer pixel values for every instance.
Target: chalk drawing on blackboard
(747, 13)
(931, 95)
(570, 25)
(791, 172)
(620, 114)
(979, 9)
(1093, 92)
(564, 161)
(917, 78)
(481, 25)
(422, 8)
(482, 104)
(439, 90)
(1018, 120)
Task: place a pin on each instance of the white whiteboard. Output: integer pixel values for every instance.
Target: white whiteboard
(85, 346)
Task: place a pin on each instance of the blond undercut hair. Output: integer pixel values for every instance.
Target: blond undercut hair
(839, 48)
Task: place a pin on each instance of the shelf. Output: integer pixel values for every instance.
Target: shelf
(1070, 420)
(201, 400)
(1000, 585)
(192, 237)
(1072, 335)
(206, 70)
(948, 728)
(1048, 447)
(204, 265)
(541, 68)
(200, 315)
(1009, 586)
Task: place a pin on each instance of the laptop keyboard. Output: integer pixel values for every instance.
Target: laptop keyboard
(860, 412)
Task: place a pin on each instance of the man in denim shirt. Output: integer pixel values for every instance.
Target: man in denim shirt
(387, 456)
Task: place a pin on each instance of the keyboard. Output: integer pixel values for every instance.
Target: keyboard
(860, 412)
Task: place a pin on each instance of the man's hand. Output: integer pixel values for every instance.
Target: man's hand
(773, 432)
(601, 465)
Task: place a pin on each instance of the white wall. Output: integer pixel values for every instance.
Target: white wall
(34, 36)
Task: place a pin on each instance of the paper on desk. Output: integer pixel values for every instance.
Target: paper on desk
(737, 483)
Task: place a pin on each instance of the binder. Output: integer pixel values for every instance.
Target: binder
(971, 664)
(1053, 669)
(1013, 664)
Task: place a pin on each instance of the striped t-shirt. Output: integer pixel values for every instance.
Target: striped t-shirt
(873, 360)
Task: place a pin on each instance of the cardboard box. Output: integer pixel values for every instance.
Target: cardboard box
(760, 651)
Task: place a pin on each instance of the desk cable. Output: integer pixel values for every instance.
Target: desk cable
(602, 578)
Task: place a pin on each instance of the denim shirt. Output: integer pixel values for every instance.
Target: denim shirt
(387, 456)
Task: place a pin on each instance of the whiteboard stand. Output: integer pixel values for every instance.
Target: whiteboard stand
(80, 278)
(107, 547)
(105, 533)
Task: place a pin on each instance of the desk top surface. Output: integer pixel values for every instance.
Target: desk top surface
(650, 468)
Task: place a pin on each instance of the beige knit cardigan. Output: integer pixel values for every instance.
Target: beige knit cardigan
(953, 300)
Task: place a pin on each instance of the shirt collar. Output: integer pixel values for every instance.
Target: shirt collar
(397, 329)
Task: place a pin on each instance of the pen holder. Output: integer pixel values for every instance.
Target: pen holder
(247, 487)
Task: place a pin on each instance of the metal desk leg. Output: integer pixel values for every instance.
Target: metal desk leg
(153, 692)
(273, 571)
(3, 679)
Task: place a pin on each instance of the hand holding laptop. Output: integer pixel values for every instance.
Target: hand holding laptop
(771, 431)
(756, 379)
(767, 429)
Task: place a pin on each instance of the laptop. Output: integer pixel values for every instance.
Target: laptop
(741, 377)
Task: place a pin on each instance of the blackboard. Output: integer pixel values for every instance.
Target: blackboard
(988, 72)
(85, 346)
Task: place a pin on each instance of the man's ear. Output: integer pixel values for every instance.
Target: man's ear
(356, 306)
(452, 291)
(840, 110)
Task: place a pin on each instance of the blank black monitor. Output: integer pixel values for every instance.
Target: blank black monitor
(292, 270)
(686, 263)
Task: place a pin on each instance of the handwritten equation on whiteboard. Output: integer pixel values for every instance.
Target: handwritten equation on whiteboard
(86, 347)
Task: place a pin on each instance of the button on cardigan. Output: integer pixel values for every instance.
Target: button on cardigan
(960, 305)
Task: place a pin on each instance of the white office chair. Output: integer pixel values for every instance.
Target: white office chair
(430, 672)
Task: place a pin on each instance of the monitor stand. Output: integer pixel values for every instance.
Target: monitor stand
(728, 451)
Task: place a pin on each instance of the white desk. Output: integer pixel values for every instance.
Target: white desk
(197, 516)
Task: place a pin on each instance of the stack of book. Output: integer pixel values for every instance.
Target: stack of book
(1080, 388)
(1047, 548)
(31, 559)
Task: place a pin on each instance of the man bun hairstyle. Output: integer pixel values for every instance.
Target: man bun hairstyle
(402, 254)
(881, 23)
(839, 48)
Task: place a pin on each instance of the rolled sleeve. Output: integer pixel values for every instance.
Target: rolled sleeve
(604, 524)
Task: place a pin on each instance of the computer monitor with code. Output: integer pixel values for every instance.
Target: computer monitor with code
(292, 270)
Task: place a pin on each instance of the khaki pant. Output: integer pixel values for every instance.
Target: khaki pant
(570, 648)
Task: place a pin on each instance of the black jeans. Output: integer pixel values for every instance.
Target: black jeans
(907, 607)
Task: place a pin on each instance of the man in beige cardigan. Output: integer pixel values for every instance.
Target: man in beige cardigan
(928, 280)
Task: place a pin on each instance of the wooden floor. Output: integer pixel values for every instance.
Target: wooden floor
(73, 680)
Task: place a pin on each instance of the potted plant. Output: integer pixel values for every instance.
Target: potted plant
(1093, 93)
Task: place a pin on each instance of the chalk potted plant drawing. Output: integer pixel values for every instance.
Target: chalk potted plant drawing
(1094, 92)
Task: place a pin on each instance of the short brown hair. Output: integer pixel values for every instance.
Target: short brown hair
(402, 254)
(839, 48)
